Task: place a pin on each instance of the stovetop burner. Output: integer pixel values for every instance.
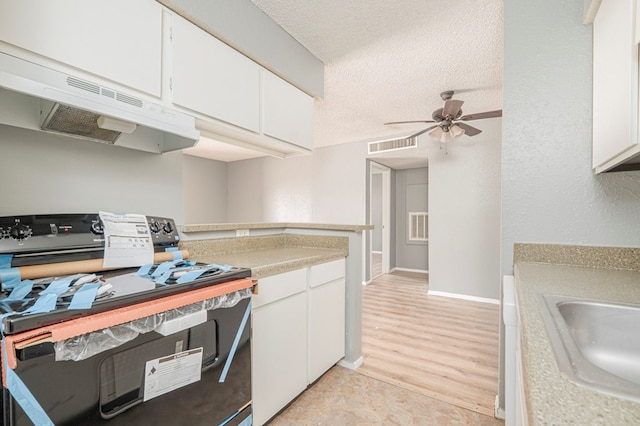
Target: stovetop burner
(52, 239)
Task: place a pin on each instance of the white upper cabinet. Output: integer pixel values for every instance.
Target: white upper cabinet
(119, 40)
(287, 112)
(234, 99)
(615, 86)
(213, 79)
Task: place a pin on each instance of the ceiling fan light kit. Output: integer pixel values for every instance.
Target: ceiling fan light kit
(446, 135)
(448, 120)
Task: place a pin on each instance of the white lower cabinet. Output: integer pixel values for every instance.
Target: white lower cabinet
(298, 333)
(279, 343)
(326, 317)
(515, 399)
(521, 416)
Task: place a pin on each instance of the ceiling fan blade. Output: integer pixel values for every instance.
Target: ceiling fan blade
(421, 132)
(407, 122)
(481, 115)
(452, 107)
(468, 130)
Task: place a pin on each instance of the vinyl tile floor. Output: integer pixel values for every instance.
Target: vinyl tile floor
(343, 397)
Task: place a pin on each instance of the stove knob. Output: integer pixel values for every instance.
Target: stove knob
(154, 227)
(97, 227)
(20, 232)
(167, 228)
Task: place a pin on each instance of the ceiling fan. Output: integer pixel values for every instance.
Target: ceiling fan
(450, 121)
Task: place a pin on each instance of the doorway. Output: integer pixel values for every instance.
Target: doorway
(379, 216)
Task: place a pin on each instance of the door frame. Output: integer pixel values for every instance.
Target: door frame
(385, 171)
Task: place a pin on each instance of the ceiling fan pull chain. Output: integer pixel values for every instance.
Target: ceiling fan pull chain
(446, 148)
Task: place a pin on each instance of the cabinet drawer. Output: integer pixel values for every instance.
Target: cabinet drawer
(280, 286)
(327, 272)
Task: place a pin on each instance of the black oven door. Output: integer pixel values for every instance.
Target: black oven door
(116, 387)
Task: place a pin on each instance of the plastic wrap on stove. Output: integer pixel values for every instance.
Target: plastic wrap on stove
(86, 345)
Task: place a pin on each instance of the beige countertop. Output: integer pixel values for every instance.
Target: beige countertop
(269, 255)
(553, 399)
(273, 225)
(266, 262)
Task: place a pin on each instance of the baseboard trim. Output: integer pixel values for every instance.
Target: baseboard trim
(498, 412)
(420, 271)
(464, 296)
(351, 365)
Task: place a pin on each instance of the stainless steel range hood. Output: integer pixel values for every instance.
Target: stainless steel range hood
(39, 98)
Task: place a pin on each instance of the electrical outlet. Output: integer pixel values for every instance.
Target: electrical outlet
(242, 232)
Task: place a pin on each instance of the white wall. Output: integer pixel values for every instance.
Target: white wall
(328, 186)
(244, 195)
(339, 184)
(270, 190)
(205, 190)
(43, 173)
(464, 214)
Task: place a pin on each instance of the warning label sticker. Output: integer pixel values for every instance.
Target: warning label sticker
(171, 372)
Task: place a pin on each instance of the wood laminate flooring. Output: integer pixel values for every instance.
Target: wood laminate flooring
(440, 347)
(376, 264)
(343, 397)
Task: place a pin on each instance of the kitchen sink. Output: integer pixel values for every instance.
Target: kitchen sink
(596, 344)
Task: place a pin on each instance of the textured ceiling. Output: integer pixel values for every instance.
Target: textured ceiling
(389, 60)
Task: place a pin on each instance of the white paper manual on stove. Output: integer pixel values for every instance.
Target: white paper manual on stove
(127, 240)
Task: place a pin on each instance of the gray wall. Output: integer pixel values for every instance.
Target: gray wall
(411, 196)
(464, 214)
(549, 193)
(243, 26)
(205, 190)
(43, 173)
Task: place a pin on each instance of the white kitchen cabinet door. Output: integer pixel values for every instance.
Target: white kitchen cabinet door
(615, 84)
(287, 112)
(118, 40)
(213, 79)
(278, 355)
(326, 317)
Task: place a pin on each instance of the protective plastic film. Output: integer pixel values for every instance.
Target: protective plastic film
(86, 345)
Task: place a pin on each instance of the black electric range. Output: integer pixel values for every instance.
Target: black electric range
(31, 240)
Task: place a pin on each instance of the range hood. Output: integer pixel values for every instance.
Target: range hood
(35, 97)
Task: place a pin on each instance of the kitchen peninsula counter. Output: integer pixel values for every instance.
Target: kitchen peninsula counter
(275, 248)
(273, 225)
(270, 254)
(596, 273)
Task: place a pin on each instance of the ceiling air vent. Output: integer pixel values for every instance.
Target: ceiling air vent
(392, 145)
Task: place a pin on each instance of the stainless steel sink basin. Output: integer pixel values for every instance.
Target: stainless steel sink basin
(596, 344)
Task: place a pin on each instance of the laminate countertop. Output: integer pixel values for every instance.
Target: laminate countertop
(269, 255)
(552, 398)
